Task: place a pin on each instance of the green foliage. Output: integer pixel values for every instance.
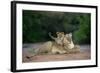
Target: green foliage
(82, 35)
(37, 25)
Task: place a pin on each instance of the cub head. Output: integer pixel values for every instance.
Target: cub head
(59, 39)
(60, 34)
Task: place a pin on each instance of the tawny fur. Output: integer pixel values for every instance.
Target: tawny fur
(61, 44)
(53, 47)
(69, 45)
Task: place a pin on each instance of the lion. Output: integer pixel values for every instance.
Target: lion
(59, 38)
(62, 44)
(53, 47)
(50, 47)
(45, 48)
(67, 41)
(57, 49)
(68, 44)
(58, 45)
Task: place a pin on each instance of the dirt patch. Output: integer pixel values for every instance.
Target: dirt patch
(28, 55)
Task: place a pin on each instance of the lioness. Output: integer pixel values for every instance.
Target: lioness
(69, 45)
(67, 41)
(61, 44)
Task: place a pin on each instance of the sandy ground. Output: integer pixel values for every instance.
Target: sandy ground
(27, 55)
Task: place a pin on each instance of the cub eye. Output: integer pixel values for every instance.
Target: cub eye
(57, 32)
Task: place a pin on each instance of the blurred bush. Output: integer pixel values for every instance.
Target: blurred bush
(37, 25)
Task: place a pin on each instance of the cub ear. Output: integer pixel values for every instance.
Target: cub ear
(62, 32)
(70, 34)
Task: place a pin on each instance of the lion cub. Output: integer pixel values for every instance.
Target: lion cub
(59, 38)
(53, 47)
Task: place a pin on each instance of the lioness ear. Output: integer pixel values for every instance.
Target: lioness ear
(66, 35)
(70, 34)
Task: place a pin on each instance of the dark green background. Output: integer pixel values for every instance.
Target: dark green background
(37, 25)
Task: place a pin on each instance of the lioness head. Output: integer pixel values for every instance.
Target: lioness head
(69, 37)
(68, 41)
